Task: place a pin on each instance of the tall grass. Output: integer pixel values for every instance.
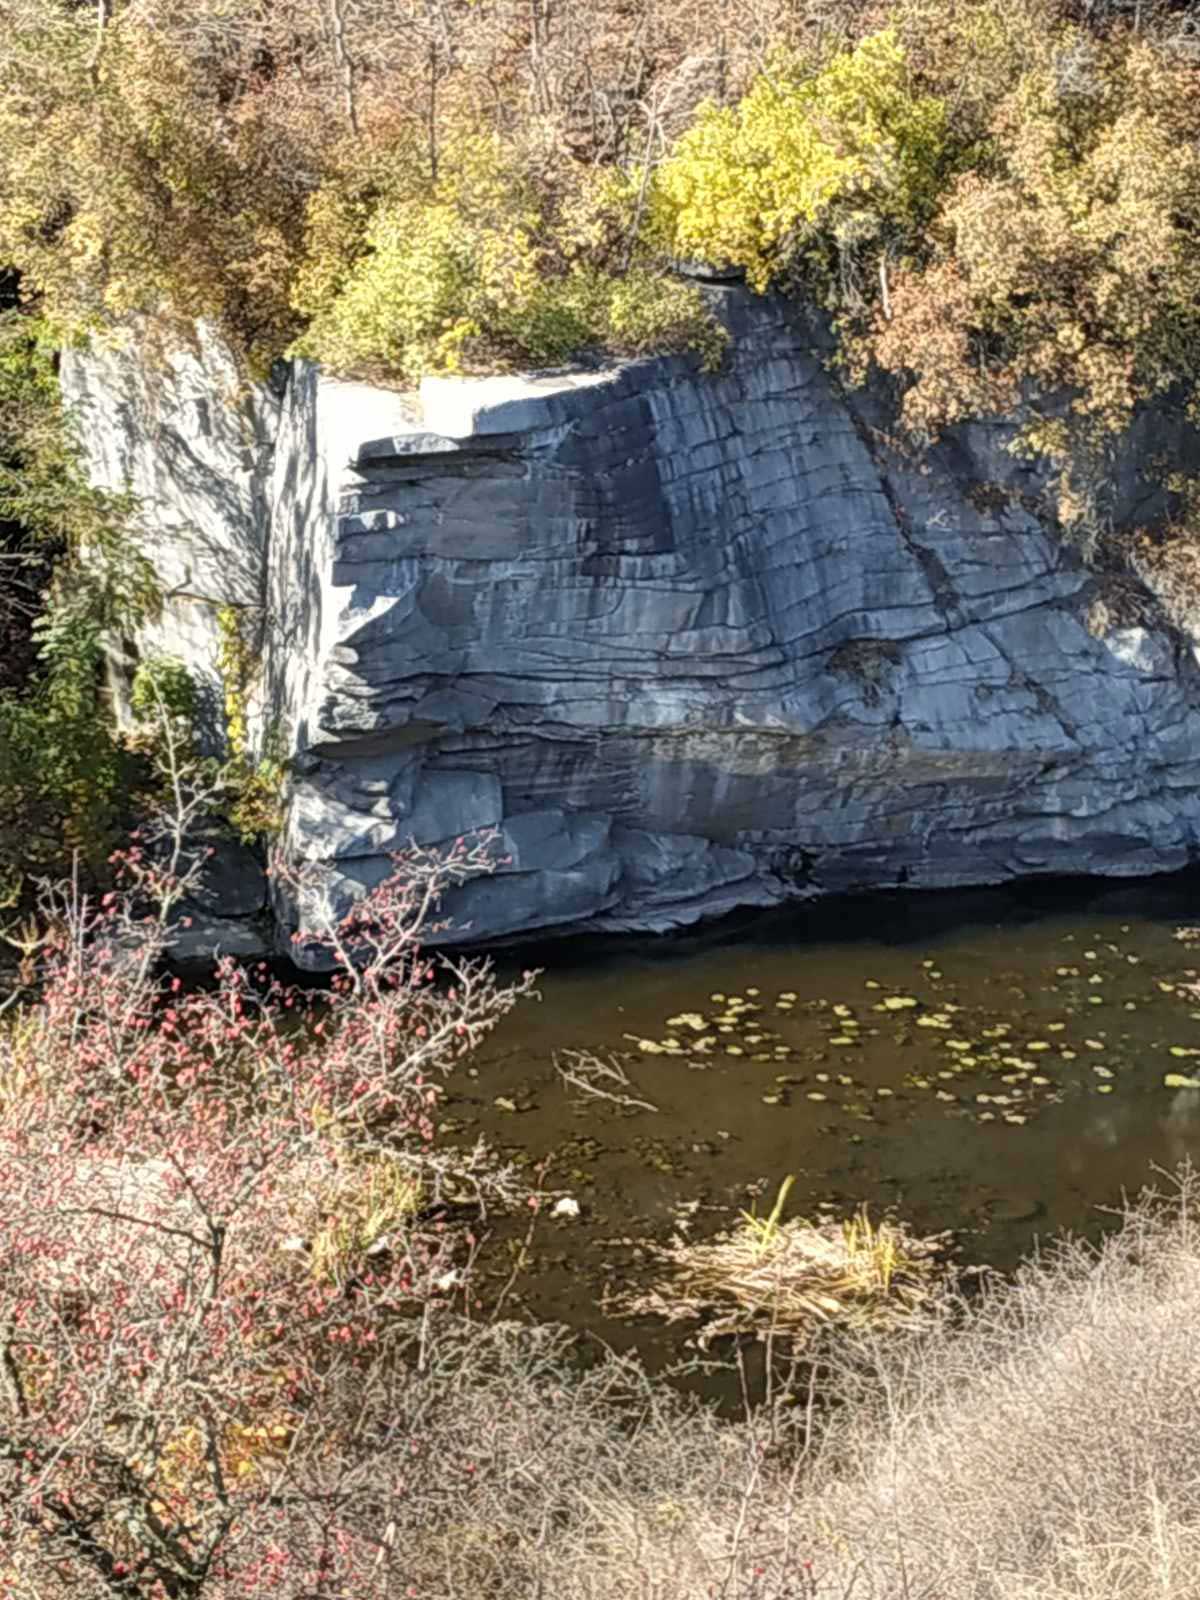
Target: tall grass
(1042, 1443)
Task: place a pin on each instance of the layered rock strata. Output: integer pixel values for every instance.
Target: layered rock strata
(685, 642)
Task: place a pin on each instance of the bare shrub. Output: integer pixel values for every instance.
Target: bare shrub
(1048, 1448)
(217, 1259)
(1042, 1445)
(593, 1078)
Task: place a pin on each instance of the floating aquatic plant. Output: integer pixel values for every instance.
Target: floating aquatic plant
(796, 1277)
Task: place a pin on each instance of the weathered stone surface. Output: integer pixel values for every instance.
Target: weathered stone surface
(232, 881)
(686, 642)
(198, 939)
(197, 446)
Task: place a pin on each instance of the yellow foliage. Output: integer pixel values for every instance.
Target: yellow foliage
(498, 262)
(372, 1196)
(124, 188)
(254, 785)
(994, 202)
(807, 151)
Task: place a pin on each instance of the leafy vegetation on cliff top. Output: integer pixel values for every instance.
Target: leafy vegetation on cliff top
(997, 205)
(987, 195)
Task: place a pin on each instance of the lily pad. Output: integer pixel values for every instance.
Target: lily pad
(648, 1047)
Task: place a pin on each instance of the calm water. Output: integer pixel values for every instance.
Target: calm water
(990, 1062)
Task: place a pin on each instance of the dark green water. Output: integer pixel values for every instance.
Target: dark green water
(990, 1062)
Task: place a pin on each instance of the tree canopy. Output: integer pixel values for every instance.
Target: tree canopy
(996, 203)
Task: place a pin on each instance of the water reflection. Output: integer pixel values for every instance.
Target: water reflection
(991, 1062)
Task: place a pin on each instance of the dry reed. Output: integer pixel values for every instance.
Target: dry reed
(795, 1278)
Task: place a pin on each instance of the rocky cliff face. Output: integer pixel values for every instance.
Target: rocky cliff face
(687, 642)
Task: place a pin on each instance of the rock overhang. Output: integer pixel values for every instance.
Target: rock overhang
(685, 641)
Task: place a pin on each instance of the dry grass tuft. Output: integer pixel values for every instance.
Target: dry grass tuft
(795, 1278)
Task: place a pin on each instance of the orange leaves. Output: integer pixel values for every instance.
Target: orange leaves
(929, 336)
(1062, 264)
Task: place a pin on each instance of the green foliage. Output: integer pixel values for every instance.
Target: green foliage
(64, 777)
(253, 785)
(163, 687)
(842, 154)
(484, 268)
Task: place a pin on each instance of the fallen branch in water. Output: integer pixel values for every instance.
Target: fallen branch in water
(588, 1075)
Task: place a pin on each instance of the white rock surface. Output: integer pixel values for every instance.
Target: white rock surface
(688, 642)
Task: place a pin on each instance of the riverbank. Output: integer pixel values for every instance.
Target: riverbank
(1040, 1443)
(993, 1063)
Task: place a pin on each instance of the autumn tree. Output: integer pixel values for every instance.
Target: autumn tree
(818, 162)
(130, 182)
(1059, 277)
(996, 202)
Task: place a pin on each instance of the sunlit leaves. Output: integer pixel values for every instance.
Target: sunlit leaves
(500, 261)
(845, 150)
(1065, 266)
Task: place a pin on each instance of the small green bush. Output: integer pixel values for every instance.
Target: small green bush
(64, 777)
(162, 686)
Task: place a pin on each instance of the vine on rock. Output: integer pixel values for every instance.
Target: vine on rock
(254, 785)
